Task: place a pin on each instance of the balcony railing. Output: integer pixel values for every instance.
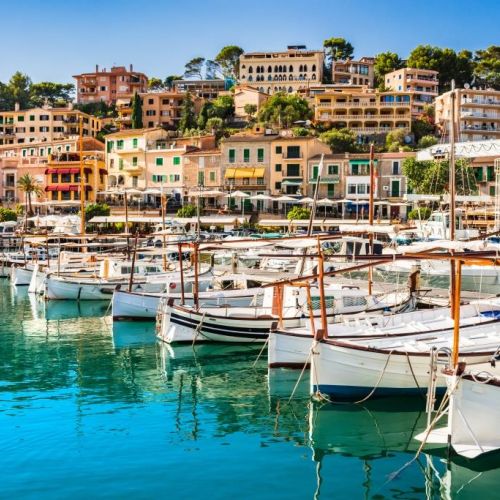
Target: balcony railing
(487, 102)
(478, 128)
(335, 104)
(473, 114)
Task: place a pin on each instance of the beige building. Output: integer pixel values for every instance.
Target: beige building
(108, 86)
(159, 109)
(206, 89)
(422, 82)
(353, 72)
(203, 171)
(17, 160)
(245, 94)
(287, 71)
(45, 124)
(364, 111)
(477, 113)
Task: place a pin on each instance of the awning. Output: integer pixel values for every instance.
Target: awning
(66, 187)
(103, 171)
(244, 173)
(361, 162)
(67, 170)
(291, 182)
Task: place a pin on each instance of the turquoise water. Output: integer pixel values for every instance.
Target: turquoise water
(86, 411)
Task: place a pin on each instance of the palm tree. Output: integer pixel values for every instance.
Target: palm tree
(29, 186)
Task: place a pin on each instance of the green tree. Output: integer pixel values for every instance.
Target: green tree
(50, 92)
(340, 140)
(156, 84)
(385, 62)
(395, 140)
(95, 210)
(298, 213)
(427, 141)
(204, 114)
(222, 107)
(338, 49)
(282, 110)
(250, 110)
(29, 186)
(187, 118)
(194, 68)
(450, 64)
(6, 214)
(421, 127)
(211, 69)
(186, 211)
(301, 132)
(169, 81)
(487, 66)
(229, 60)
(19, 88)
(6, 99)
(420, 213)
(136, 116)
(214, 124)
(432, 176)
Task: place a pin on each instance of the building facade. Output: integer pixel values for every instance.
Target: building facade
(108, 86)
(45, 124)
(477, 114)
(287, 71)
(422, 82)
(364, 111)
(353, 72)
(206, 89)
(245, 94)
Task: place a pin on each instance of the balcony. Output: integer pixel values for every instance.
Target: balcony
(482, 102)
(327, 179)
(422, 78)
(475, 114)
(479, 128)
(336, 104)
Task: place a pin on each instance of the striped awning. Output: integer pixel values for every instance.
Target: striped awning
(244, 173)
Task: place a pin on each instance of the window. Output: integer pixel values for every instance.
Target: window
(277, 167)
(177, 160)
(134, 161)
(277, 185)
(44, 118)
(32, 118)
(119, 144)
(293, 170)
(395, 168)
(67, 148)
(260, 155)
(351, 189)
(135, 181)
(279, 150)
(331, 190)
(20, 118)
(159, 162)
(32, 129)
(490, 173)
(232, 155)
(65, 195)
(293, 152)
(315, 171)
(479, 174)
(492, 190)
(246, 155)
(25, 152)
(212, 176)
(150, 101)
(333, 170)
(65, 178)
(151, 112)
(120, 164)
(201, 178)
(134, 142)
(54, 178)
(110, 146)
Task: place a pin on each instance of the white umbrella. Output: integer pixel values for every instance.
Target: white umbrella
(306, 200)
(261, 197)
(344, 200)
(286, 199)
(237, 194)
(134, 192)
(153, 191)
(206, 194)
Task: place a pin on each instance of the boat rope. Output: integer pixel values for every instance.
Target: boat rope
(198, 328)
(413, 374)
(325, 397)
(261, 351)
(308, 360)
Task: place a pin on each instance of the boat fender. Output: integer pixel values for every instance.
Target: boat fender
(172, 286)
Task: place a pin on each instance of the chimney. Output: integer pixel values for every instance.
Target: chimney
(131, 68)
(97, 68)
(17, 107)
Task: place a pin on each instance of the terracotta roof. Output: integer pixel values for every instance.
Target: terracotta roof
(132, 131)
(203, 152)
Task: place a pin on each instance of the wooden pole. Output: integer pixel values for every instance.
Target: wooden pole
(456, 313)
(310, 307)
(164, 241)
(196, 283)
(182, 273)
(82, 180)
(371, 206)
(131, 280)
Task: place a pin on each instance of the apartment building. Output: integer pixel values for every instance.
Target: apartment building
(151, 158)
(477, 114)
(245, 94)
(287, 71)
(108, 86)
(159, 109)
(45, 124)
(19, 159)
(289, 158)
(62, 175)
(206, 89)
(423, 83)
(347, 177)
(352, 72)
(365, 111)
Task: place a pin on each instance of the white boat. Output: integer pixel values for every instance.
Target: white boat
(252, 324)
(398, 365)
(291, 348)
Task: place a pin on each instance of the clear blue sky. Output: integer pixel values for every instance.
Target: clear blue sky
(55, 39)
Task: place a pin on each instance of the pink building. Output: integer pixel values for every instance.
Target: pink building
(108, 86)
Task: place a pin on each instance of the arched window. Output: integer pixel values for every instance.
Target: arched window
(284, 78)
(275, 78)
(290, 69)
(261, 89)
(262, 69)
(269, 69)
(269, 78)
(290, 90)
(275, 69)
(257, 69)
(280, 78)
(313, 68)
(313, 76)
(250, 69)
(243, 66)
(250, 78)
(301, 68)
(305, 67)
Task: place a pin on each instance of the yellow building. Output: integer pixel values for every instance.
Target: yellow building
(477, 113)
(422, 82)
(245, 94)
(45, 124)
(287, 71)
(353, 72)
(364, 111)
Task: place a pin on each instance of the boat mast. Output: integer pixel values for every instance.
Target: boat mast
(82, 179)
(452, 161)
(371, 213)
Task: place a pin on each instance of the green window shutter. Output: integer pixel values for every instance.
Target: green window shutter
(119, 144)
(177, 160)
(232, 155)
(333, 169)
(171, 178)
(492, 190)
(134, 142)
(32, 118)
(120, 164)
(134, 161)
(110, 146)
(201, 178)
(24, 152)
(212, 176)
(20, 118)
(49, 151)
(246, 155)
(315, 172)
(479, 173)
(260, 155)
(491, 173)
(159, 162)
(331, 190)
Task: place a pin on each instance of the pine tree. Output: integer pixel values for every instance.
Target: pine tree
(136, 112)
(187, 120)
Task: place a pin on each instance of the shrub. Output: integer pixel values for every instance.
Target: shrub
(6, 214)
(96, 209)
(425, 213)
(298, 213)
(186, 211)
